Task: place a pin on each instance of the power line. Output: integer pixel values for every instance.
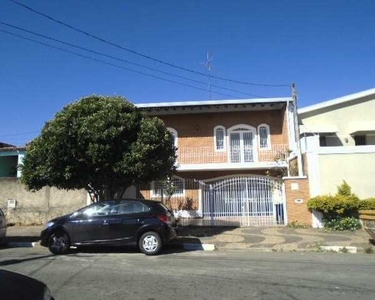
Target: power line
(123, 60)
(114, 65)
(141, 54)
(20, 133)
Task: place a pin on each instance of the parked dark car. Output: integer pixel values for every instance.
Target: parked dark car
(146, 223)
(15, 286)
(3, 227)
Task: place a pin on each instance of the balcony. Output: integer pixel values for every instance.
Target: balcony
(193, 158)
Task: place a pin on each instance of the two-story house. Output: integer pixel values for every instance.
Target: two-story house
(338, 137)
(231, 157)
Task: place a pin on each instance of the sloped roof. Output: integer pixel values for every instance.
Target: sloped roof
(336, 101)
(213, 102)
(12, 148)
(4, 145)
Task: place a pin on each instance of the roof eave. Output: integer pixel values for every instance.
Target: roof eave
(213, 102)
(336, 101)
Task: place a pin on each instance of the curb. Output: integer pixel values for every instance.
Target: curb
(341, 249)
(21, 244)
(204, 247)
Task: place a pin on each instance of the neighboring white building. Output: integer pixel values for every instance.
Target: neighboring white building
(338, 137)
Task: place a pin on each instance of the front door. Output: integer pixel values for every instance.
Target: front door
(241, 146)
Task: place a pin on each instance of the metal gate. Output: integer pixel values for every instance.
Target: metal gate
(245, 201)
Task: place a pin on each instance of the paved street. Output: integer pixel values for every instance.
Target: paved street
(197, 275)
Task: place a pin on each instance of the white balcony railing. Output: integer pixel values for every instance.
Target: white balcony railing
(206, 155)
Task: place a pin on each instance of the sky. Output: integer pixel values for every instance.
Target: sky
(326, 47)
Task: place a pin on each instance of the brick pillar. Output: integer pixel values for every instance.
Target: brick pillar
(297, 194)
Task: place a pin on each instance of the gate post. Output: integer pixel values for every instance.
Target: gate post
(211, 201)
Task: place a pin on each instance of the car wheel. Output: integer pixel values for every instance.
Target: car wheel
(59, 243)
(150, 243)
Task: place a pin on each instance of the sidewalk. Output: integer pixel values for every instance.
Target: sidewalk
(231, 238)
(277, 238)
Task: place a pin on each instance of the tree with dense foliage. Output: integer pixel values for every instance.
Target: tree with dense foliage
(101, 144)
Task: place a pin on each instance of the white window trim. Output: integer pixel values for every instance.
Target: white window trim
(268, 137)
(174, 132)
(153, 195)
(246, 127)
(224, 139)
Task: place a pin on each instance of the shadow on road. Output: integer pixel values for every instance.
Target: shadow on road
(168, 249)
(17, 261)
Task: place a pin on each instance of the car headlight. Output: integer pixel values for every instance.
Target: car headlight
(46, 294)
(49, 224)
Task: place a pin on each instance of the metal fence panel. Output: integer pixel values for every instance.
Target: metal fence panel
(244, 201)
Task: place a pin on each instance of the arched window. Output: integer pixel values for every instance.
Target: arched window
(219, 136)
(264, 137)
(242, 144)
(174, 134)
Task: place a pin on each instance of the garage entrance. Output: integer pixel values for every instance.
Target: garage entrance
(244, 201)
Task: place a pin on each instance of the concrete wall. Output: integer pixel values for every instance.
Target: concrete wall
(38, 207)
(357, 169)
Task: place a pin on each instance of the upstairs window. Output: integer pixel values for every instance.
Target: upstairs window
(322, 141)
(264, 136)
(219, 135)
(360, 140)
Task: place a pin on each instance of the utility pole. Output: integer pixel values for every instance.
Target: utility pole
(296, 129)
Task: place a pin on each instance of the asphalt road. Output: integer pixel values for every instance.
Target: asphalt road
(101, 274)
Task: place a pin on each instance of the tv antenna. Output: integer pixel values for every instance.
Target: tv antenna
(208, 66)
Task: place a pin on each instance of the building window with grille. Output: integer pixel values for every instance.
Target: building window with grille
(322, 141)
(360, 140)
(170, 187)
(264, 137)
(219, 136)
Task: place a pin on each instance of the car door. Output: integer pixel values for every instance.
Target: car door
(90, 225)
(126, 218)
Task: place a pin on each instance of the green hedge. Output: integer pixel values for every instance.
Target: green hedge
(340, 212)
(367, 204)
(334, 206)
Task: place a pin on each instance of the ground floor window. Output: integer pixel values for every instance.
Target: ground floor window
(170, 187)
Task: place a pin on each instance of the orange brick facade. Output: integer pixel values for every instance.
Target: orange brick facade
(297, 194)
(195, 130)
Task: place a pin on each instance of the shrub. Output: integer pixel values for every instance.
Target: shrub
(339, 223)
(340, 212)
(344, 189)
(367, 204)
(333, 206)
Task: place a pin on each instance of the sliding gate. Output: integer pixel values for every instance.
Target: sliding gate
(244, 201)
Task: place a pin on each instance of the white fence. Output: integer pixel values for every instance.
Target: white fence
(235, 201)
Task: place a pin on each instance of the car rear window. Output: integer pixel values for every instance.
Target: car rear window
(165, 207)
